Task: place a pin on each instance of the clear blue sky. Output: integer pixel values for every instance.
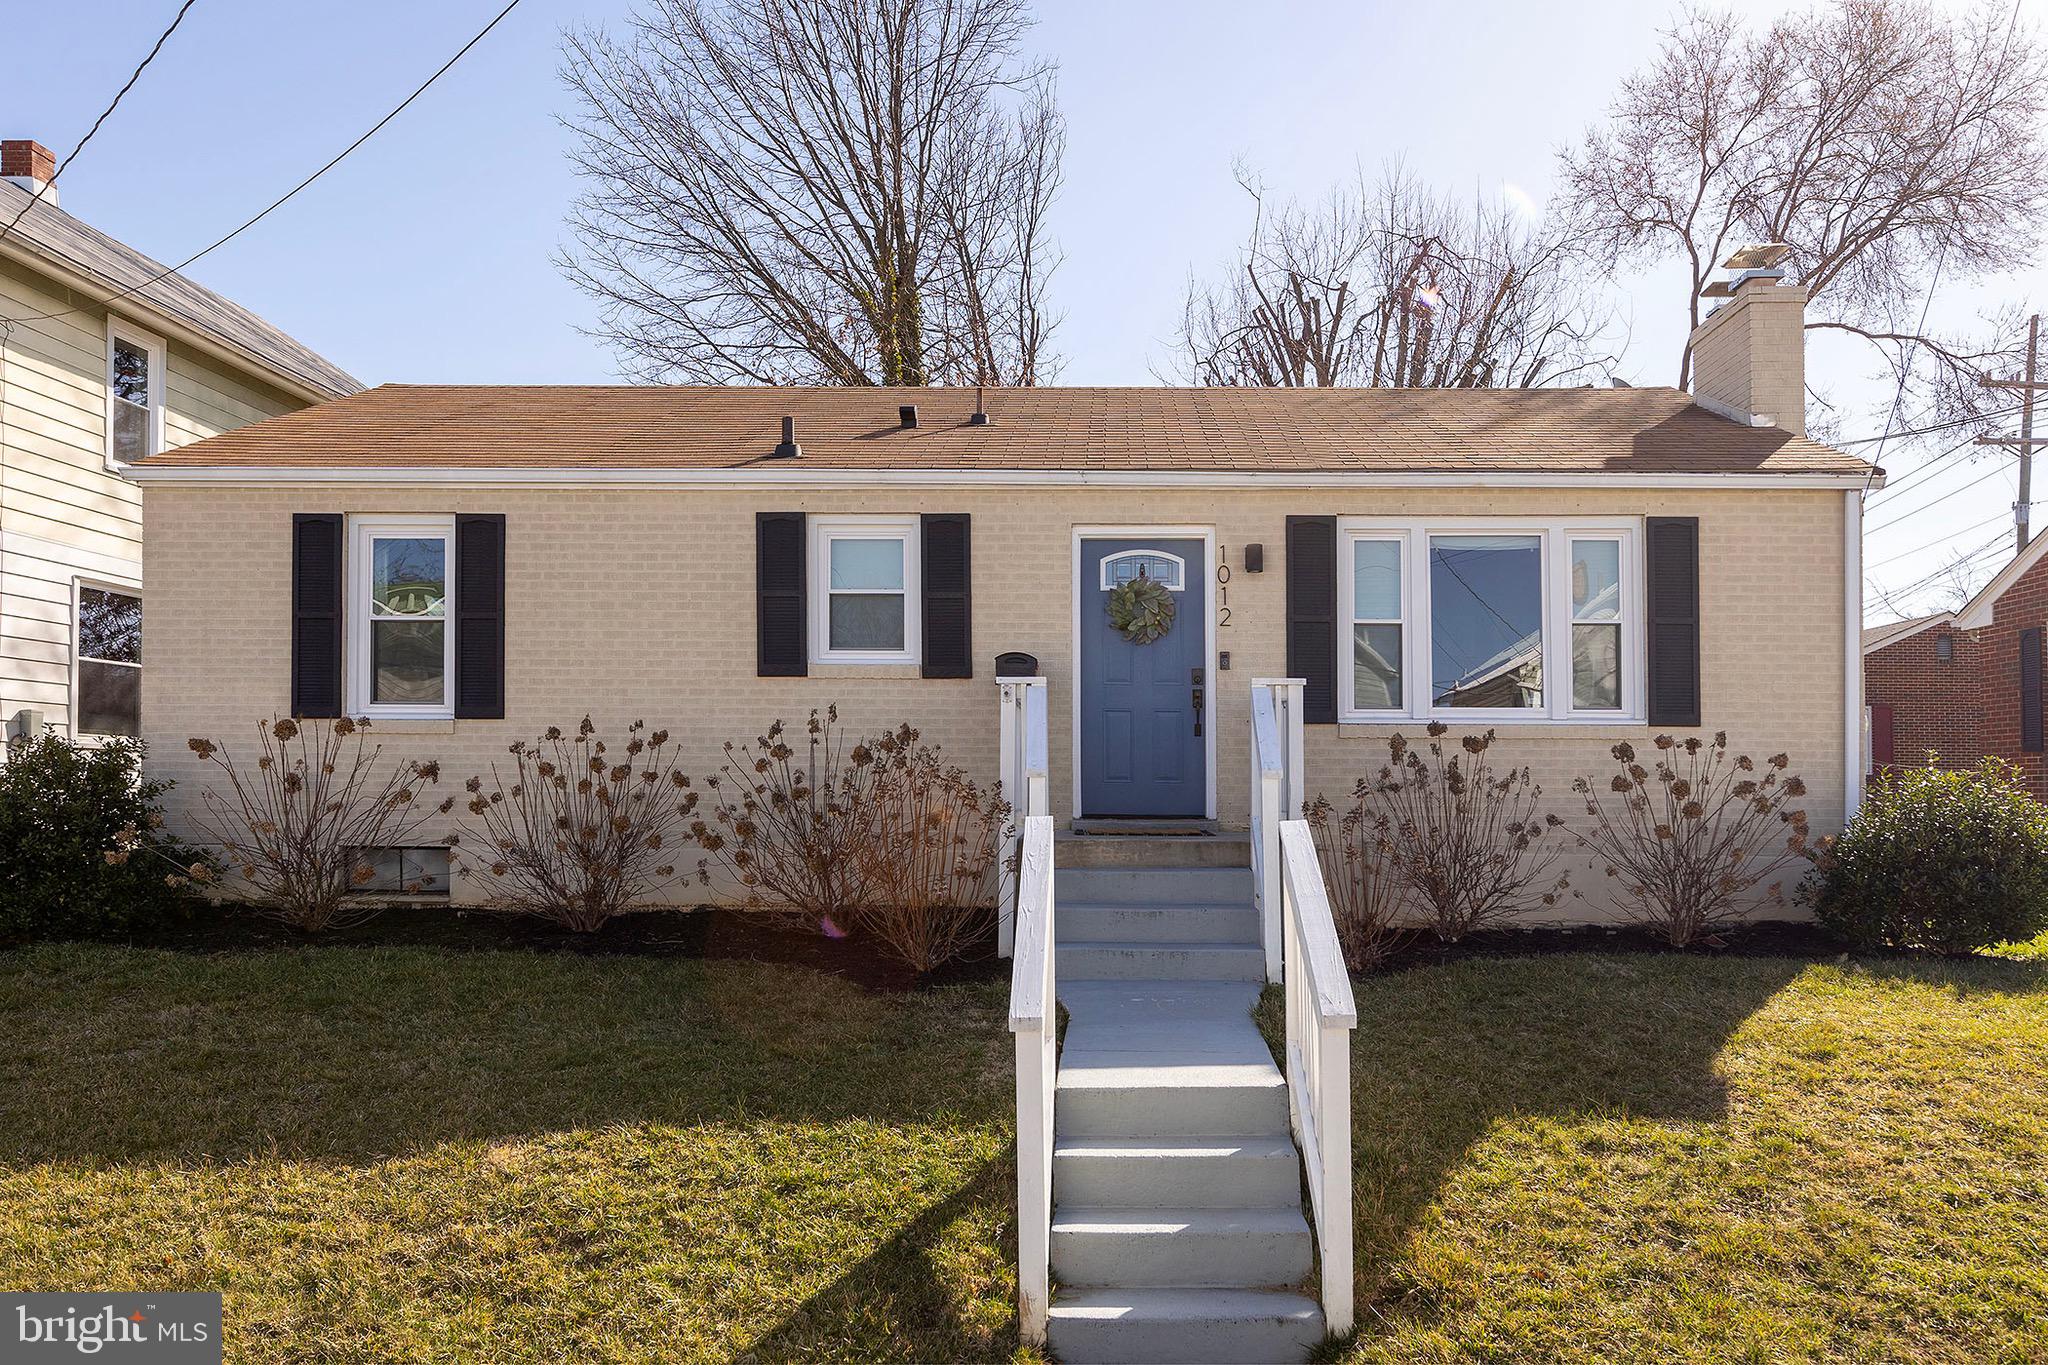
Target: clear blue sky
(426, 255)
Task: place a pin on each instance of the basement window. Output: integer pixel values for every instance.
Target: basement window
(402, 872)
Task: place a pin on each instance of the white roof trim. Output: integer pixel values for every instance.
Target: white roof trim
(783, 476)
(1977, 613)
(1891, 632)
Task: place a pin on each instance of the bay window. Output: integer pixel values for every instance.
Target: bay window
(1508, 619)
(402, 654)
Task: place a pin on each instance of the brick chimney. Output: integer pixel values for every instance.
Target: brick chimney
(28, 164)
(1749, 355)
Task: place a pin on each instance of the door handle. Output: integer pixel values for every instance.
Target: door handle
(1195, 697)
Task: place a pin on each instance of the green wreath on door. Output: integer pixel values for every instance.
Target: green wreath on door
(1141, 609)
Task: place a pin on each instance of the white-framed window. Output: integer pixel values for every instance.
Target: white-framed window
(864, 590)
(106, 679)
(1119, 569)
(135, 394)
(1509, 619)
(401, 612)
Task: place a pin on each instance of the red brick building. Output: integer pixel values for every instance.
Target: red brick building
(1965, 684)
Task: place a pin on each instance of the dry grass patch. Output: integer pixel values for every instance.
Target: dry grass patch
(1584, 1158)
(393, 1155)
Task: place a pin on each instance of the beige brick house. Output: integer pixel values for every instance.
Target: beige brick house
(1569, 567)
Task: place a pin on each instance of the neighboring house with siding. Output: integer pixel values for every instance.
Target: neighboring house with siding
(1967, 684)
(1571, 567)
(106, 361)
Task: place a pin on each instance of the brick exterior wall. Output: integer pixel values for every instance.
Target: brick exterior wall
(1965, 708)
(640, 603)
(1750, 354)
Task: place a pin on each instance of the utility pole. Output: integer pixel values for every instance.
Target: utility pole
(2025, 442)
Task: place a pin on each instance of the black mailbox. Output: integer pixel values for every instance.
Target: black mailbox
(1016, 665)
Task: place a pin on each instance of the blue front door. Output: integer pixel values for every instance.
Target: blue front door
(1142, 749)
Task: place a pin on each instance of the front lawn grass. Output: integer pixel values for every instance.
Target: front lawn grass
(413, 1155)
(1663, 1158)
(404, 1155)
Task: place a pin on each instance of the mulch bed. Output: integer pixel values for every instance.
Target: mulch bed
(703, 932)
(715, 933)
(1761, 938)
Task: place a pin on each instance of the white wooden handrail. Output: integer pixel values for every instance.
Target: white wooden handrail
(1277, 794)
(1034, 1026)
(1320, 1015)
(1022, 765)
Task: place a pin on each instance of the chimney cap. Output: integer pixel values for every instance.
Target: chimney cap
(1766, 256)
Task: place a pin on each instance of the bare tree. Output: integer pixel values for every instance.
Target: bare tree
(1886, 142)
(817, 191)
(1385, 283)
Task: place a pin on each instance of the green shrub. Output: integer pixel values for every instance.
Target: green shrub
(1948, 861)
(62, 808)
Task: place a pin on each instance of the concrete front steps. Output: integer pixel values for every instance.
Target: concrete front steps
(1177, 1230)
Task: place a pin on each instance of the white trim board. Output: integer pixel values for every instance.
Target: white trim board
(1205, 534)
(598, 477)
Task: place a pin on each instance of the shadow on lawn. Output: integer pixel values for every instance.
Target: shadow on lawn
(354, 1055)
(1442, 1055)
(900, 1292)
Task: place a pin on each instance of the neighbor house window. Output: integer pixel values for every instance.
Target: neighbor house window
(108, 679)
(864, 590)
(402, 647)
(1509, 619)
(135, 394)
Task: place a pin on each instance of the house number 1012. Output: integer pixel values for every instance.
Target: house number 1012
(1222, 585)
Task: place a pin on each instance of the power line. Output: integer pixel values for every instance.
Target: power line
(1906, 357)
(288, 194)
(1930, 469)
(133, 77)
(1997, 542)
(1914, 511)
(1930, 430)
(1908, 554)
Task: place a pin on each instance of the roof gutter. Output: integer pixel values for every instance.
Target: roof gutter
(783, 477)
(158, 317)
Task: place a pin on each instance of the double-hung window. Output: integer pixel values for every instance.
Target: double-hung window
(135, 394)
(864, 590)
(401, 612)
(1509, 619)
(107, 683)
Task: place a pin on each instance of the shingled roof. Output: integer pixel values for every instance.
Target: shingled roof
(1304, 431)
(55, 236)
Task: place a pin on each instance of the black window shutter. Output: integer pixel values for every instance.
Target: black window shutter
(779, 595)
(480, 616)
(2030, 690)
(1312, 614)
(947, 579)
(1672, 563)
(316, 613)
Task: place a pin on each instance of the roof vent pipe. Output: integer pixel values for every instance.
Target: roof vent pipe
(907, 415)
(789, 449)
(980, 417)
